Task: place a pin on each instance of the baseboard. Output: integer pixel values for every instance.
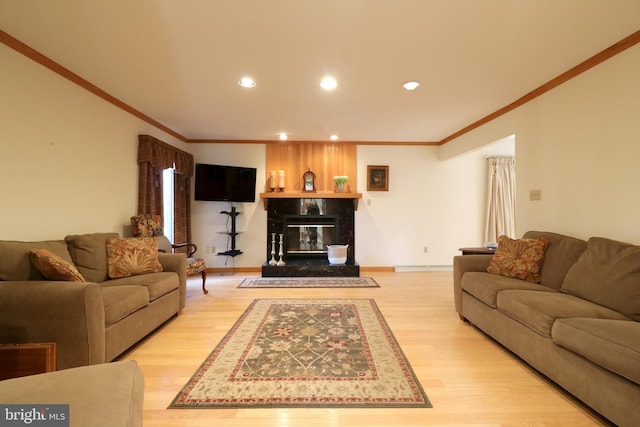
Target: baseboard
(408, 268)
(397, 269)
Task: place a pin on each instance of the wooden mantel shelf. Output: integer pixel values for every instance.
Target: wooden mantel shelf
(304, 195)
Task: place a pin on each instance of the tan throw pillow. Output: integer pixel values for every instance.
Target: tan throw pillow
(52, 267)
(520, 259)
(132, 256)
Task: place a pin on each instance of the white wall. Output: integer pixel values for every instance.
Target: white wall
(430, 202)
(206, 221)
(580, 145)
(67, 158)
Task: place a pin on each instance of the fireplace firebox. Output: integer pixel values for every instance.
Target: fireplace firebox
(308, 236)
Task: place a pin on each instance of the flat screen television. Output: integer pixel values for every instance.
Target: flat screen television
(220, 183)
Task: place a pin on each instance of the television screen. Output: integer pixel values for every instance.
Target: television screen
(225, 183)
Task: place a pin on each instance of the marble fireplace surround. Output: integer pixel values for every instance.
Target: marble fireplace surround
(322, 208)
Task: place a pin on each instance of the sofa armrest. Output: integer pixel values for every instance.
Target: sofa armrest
(71, 314)
(178, 264)
(462, 264)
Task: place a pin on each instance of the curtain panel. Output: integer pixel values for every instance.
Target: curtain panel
(153, 157)
(501, 198)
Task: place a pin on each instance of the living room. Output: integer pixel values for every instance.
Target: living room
(70, 167)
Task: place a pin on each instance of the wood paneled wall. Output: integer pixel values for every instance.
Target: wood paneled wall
(325, 160)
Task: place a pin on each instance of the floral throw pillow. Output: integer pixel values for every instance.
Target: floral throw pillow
(519, 258)
(132, 256)
(52, 267)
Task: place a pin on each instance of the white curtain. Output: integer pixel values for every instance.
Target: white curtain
(501, 198)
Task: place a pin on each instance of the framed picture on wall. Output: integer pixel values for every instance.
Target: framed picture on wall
(377, 178)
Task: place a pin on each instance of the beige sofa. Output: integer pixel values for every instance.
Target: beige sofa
(91, 322)
(578, 326)
(105, 395)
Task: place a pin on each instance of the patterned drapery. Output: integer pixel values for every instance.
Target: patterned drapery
(153, 157)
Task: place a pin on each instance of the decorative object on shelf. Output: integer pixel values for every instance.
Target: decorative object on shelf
(337, 254)
(309, 182)
(272, 181)
(340, 181)
(377, 178)
(281, 262)
(281, 180)
(273, 250)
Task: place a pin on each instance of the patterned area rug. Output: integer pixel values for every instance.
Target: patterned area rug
(308, 282)
(305, 353)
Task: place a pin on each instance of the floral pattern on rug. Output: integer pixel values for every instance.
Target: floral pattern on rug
(305, 353)
(308, 341)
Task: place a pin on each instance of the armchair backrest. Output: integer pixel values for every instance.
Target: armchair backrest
(150, 225)
(147, 225)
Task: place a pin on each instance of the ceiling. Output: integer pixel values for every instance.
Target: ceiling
(179, 61)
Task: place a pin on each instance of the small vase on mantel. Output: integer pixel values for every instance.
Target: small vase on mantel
(340, 181)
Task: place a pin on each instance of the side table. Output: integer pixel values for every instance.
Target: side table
(20, 360)
(477, 251)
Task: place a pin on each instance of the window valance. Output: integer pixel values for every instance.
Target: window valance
(161, 155)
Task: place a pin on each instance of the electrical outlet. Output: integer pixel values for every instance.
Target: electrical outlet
(426, 249)
(535, 195)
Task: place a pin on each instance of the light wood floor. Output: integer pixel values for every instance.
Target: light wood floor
(469, 379)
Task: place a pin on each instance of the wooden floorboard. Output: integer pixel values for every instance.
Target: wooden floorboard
(469, 379)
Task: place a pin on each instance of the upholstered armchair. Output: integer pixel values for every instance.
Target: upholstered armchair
(149, 225)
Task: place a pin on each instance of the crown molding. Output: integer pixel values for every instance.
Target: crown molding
(43, 60)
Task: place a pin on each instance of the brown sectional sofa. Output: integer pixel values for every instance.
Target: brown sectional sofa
(579, 326)
(91, 322)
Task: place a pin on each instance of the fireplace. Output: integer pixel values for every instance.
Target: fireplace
(308, 225)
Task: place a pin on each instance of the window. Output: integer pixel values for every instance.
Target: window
(167, 201)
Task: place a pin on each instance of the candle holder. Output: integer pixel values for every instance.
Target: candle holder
(272, 181)
(281, 180)
(280, 262)
(273, 250)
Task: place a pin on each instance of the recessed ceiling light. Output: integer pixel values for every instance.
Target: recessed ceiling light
(328, 83)
(334, 137)
(283, 136)
(411, 85)
(247, 82)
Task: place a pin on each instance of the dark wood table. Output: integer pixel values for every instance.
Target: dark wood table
(477, 251)
(19, 360)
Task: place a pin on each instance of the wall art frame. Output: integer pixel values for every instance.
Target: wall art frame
(377, 178)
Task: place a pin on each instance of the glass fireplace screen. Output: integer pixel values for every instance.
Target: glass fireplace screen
(309, 238)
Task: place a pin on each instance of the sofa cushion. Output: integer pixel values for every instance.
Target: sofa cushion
(539, 310)
(16, 264)
(612, 344)
(120, 301)
(132, 256)
(485, 286)
(89, 254)
(54, 267)
(561, 254)
(158, 284)
(519, 258)
(607, 273)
